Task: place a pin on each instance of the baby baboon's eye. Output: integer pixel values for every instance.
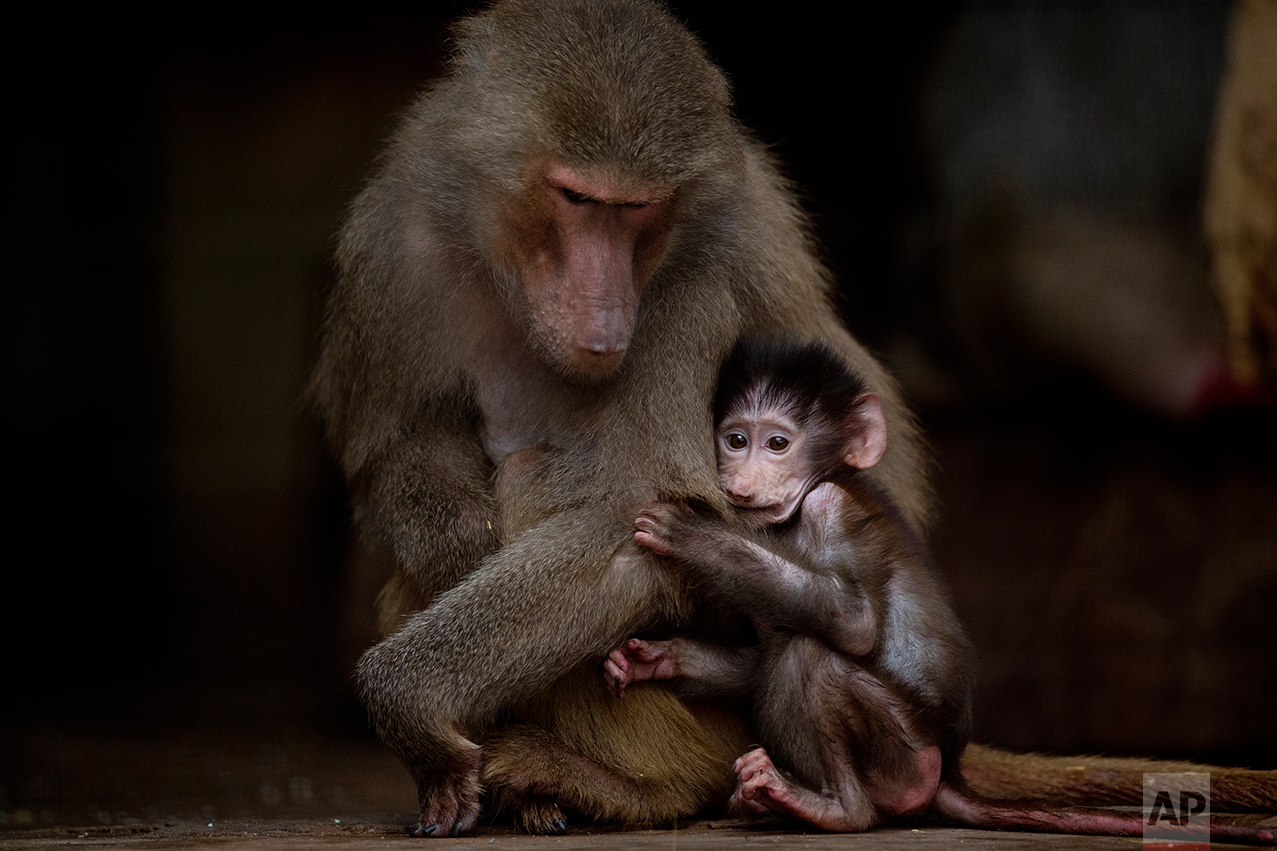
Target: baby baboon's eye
(776, 443)
(736, 440)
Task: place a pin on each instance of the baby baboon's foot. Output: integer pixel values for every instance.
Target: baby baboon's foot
(636, 660)
(762, 787)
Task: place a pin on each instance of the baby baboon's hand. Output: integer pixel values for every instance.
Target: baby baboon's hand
(664, 528)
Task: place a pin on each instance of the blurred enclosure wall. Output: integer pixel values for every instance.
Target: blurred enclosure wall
(1010, 195)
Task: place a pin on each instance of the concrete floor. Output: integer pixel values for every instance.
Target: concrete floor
(252, 785)
(382, 832)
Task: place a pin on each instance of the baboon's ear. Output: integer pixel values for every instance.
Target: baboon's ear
(866, 433)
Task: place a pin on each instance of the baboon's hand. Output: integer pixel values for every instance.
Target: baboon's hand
(449, 802)
(664, 528)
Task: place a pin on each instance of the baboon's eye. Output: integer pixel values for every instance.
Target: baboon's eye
(576, 197)
(776, 443)
(736, 440)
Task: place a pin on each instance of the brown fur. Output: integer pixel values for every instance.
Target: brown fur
(611, 760)
(1105, 780)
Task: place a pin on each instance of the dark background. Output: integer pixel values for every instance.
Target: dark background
(178, 533)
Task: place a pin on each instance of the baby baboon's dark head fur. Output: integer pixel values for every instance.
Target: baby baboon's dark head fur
(806, 380)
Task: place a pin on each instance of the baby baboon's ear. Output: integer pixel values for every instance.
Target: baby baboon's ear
(865, 433)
